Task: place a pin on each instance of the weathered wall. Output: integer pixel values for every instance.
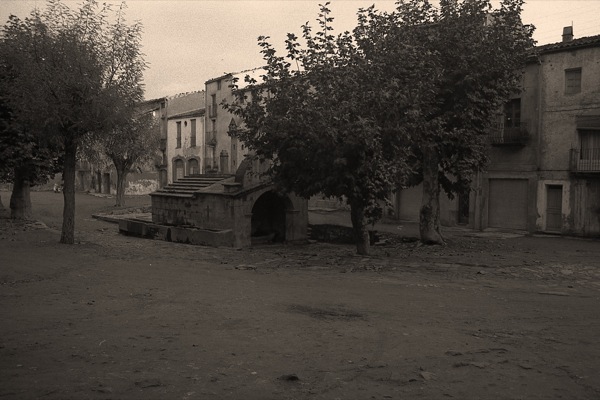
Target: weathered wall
(186, 151)
(215, 211)
(585, 217)
(559, 109)
(217, 124)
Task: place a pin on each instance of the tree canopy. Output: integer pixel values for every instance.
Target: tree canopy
(405, 98)
(71, 73)
(322, 119)
(130, 144)
(479, 53)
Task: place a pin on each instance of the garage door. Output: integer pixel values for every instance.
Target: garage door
(508, 203)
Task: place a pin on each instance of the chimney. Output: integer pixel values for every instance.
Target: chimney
(567, 35)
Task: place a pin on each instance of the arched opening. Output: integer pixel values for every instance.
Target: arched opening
(193, 167)
(269, 218)
(178, 169)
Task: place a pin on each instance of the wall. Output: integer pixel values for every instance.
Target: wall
(221, 211)
(560, 109)
(185, 152)
(218, 120)
(178, 105)
(544, 161)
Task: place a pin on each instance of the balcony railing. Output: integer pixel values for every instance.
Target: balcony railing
(502, 135)
(585, 160)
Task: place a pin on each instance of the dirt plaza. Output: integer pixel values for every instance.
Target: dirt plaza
(489, 316)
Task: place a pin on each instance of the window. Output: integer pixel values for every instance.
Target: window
(212, 108)
(512, 114)
(590, 144)
(219, 84)
(178, 146)
(193, 133)
(573, 81)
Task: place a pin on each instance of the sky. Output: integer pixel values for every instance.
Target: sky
(187, 42)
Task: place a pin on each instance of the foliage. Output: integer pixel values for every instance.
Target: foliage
(73, 73)
(479, 53)
(482, 52)
(405, 98)
(319, 115)
(131, 144)
(21, 149)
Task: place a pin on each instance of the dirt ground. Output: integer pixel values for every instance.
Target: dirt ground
(113, 317)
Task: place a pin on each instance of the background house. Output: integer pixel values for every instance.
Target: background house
(182, 136)
(102, 178)
(544, 173)
(223, 152)
(544, 170)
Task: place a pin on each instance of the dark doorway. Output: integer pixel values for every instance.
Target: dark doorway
(268, 219)
(554, 208)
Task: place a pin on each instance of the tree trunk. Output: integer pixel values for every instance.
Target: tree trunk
(429, 215)
(361, 234)
(3, 212)
(121, 178)
(20, 200)
(70, 162)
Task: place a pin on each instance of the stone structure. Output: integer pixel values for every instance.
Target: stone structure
(544, 173)
(544, 170)
(182, 135)
(223, 152)
(224, 210)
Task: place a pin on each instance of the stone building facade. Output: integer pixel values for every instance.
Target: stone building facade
(544, 170)
(544, 173)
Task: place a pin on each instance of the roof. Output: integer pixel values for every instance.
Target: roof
(588, 41)
(251, 71)
(193, 113)
(218, 79)
(157, 100)
(184, 94)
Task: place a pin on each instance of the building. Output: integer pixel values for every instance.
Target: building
(215, 195)
(544, 170)
(223, 152)
(182, 136)
(544, 174)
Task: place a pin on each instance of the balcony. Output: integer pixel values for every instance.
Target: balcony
(585, 161)
(212, 111)
(501, 135)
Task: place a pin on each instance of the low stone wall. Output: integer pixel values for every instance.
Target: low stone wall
(179, 234)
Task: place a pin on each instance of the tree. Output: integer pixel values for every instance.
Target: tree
(479, 53)
(74, 73)
(26, 161)
(129, 145)
(327, 118)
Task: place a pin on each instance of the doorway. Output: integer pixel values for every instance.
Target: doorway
(553, 207)
(269, 219)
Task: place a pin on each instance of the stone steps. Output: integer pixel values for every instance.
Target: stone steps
(187, 186)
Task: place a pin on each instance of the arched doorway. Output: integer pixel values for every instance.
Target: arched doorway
(178, 169)
(193, 167)
(269, 218)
